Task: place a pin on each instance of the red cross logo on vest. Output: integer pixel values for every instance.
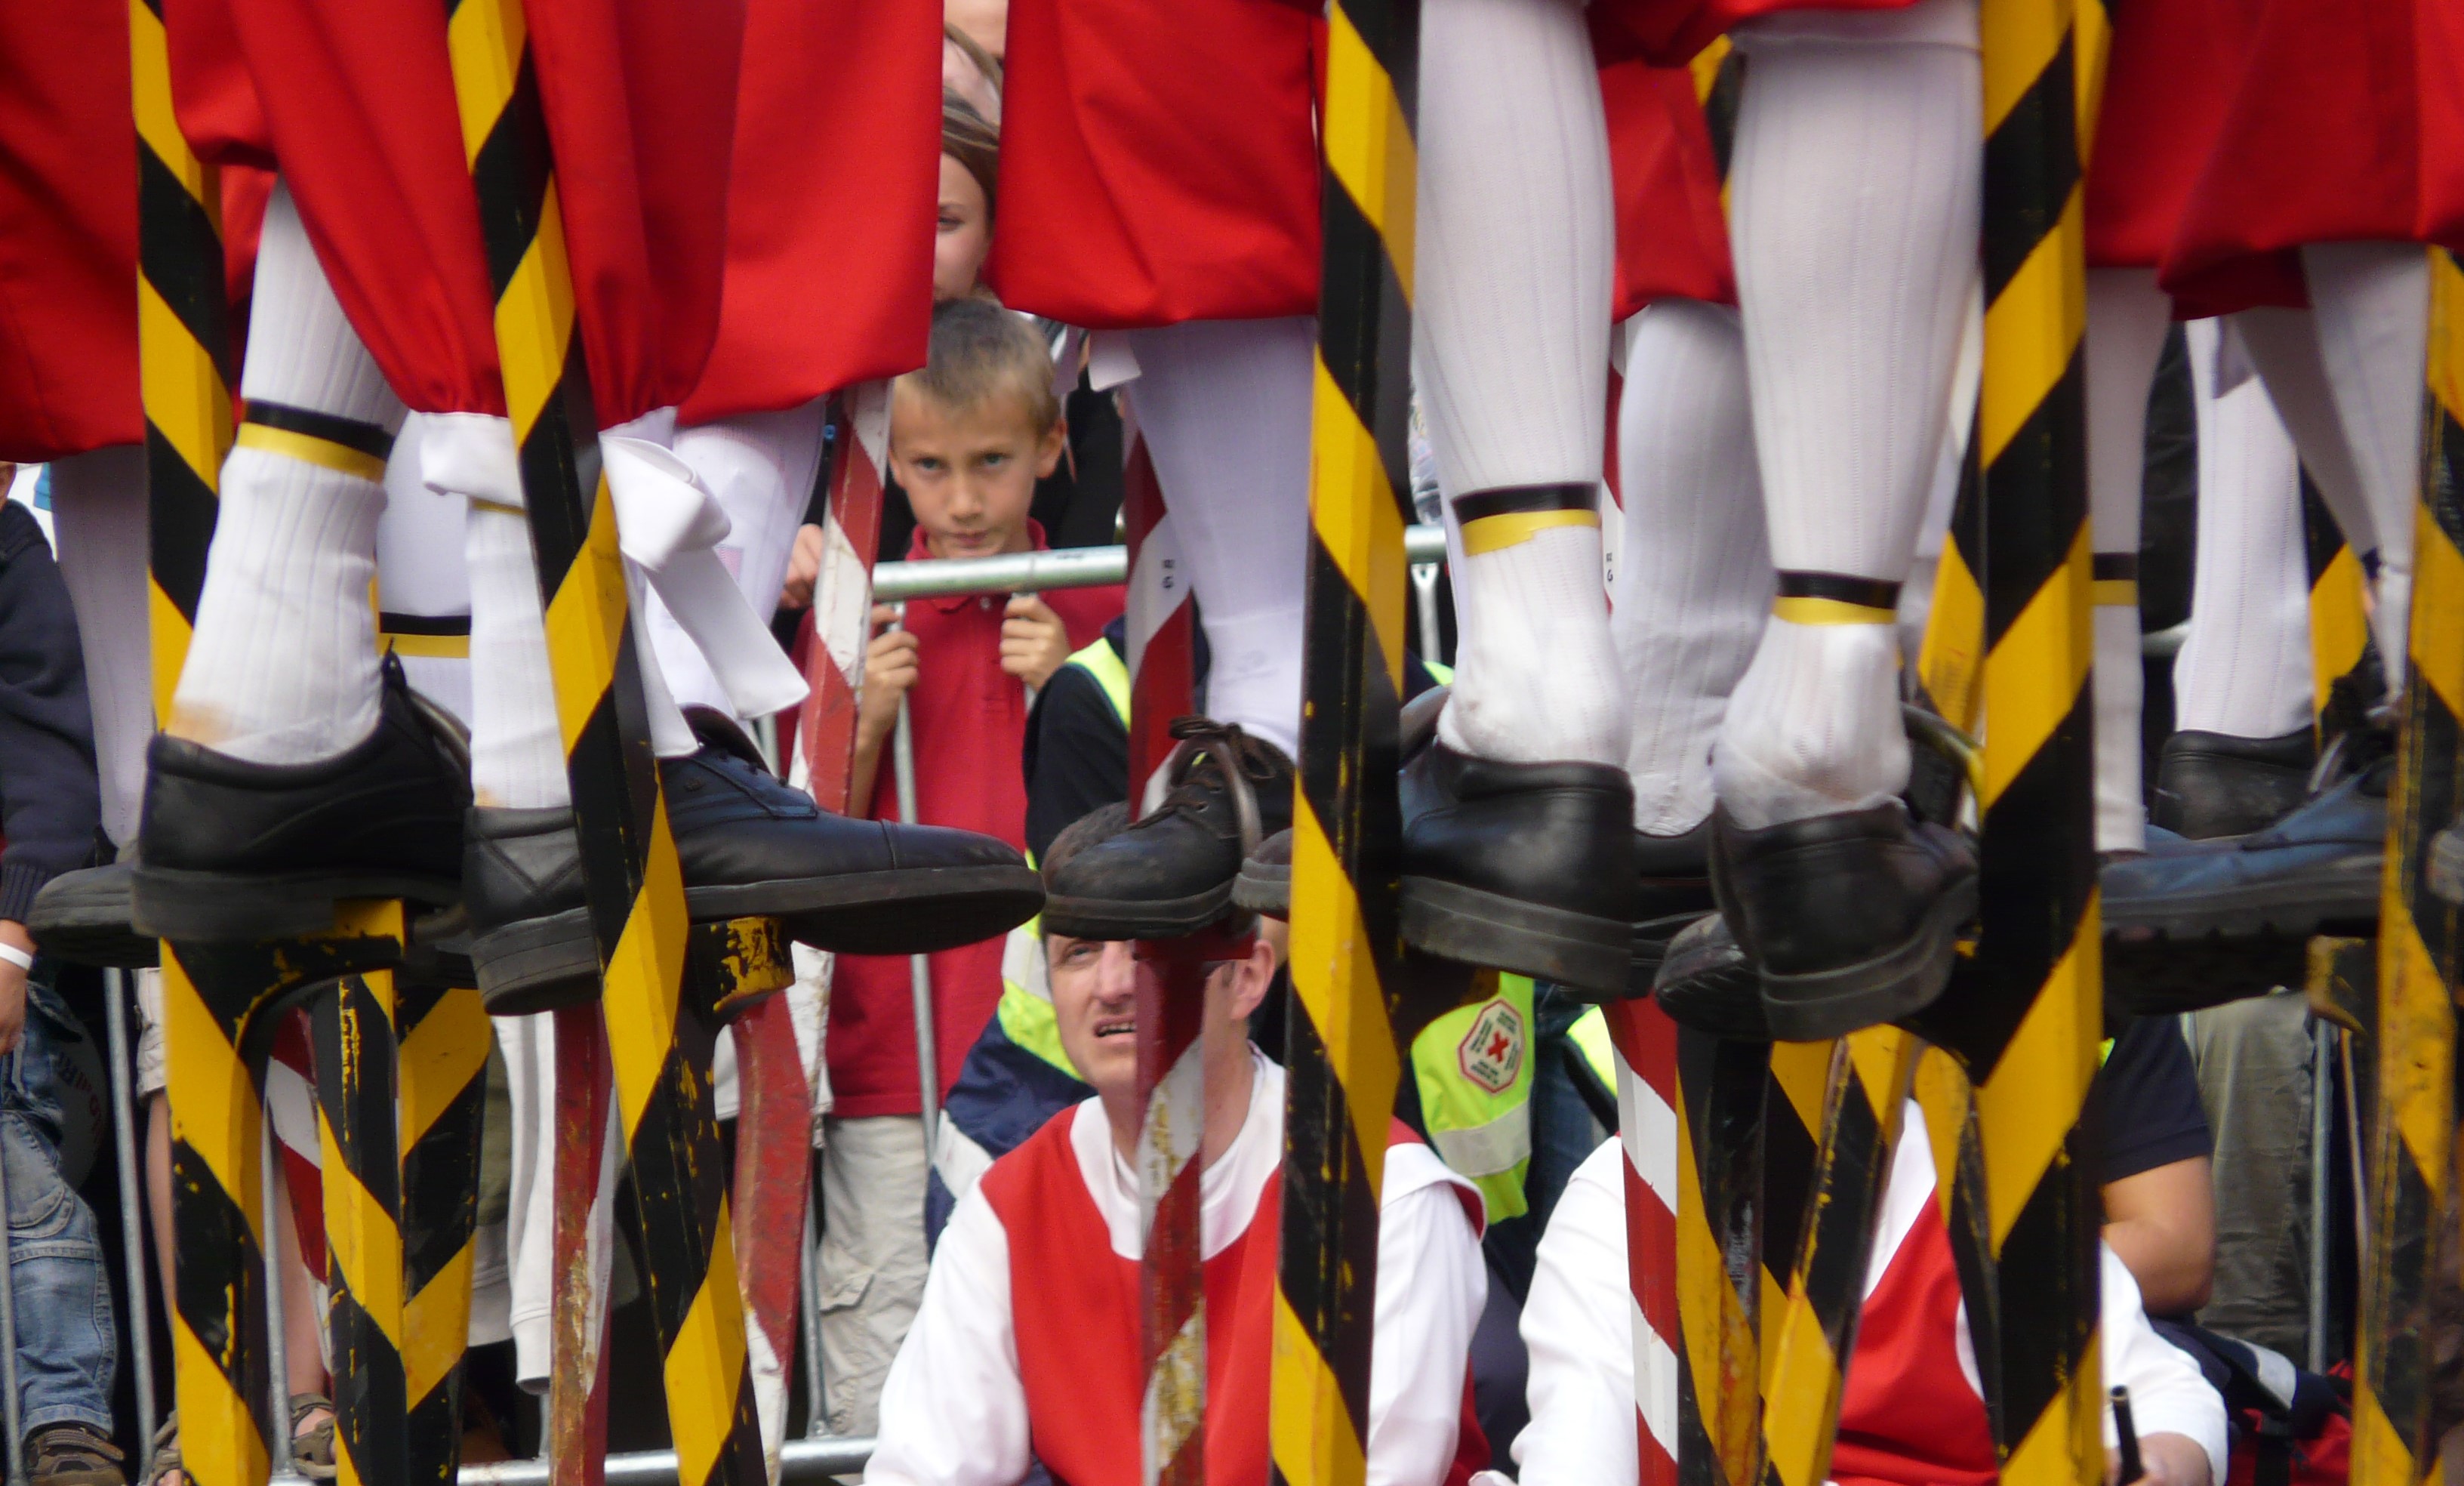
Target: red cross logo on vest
(1491, 1053)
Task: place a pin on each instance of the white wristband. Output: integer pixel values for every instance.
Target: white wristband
(16, 956)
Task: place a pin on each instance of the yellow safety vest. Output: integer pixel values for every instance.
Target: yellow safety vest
(1590, 1035)
(1472, 1068)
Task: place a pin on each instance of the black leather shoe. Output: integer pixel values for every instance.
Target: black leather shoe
(1707, 983)
(2315, 871)
(231, 851)
(2216, 785)
(749, 845)
(82, 917)
(1526, 868)
(1853, 918)
(1674, 877)
(1171, 873)
(1264, 883)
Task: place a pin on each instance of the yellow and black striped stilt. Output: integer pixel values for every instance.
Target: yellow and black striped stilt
(220, 1003)
(1720, 1236)
(659, 1043)
(2412, 1137)
(443, 1041)
(2339, 625)
(352, 1031)
(184, 347)
(1342, 1054)
(2025, 1015)
(1863, 1100)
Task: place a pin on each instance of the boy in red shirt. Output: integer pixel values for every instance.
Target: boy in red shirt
(968, 436)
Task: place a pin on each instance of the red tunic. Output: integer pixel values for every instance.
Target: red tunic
(2346, 123)
(1908, 1414)
(68, 230)
(2167, 88)
(970, 725)
(830, 215)
(1075, 1313)
(1670, 32)
(1672, 233)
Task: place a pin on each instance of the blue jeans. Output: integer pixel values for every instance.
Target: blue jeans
(68, 1345)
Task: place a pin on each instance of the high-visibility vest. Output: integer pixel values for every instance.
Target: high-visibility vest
(1590, 1035)
(1472, 1068)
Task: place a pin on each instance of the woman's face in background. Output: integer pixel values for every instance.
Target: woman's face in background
(965, 234)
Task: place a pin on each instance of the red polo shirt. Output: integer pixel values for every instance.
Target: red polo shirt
(970, 722)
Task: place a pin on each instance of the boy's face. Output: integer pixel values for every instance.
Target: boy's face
(970, 473)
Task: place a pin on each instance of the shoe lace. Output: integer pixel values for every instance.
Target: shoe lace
(1241, 761)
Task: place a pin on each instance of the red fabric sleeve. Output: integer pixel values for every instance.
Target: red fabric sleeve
(357, 104)
(68, 230)
(832, 211)
(1672, 235)
(641, 103)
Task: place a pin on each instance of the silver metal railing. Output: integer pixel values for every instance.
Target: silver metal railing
(1062, 568)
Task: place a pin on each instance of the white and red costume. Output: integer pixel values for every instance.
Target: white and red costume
(1027, 1343)
(1912, 1411)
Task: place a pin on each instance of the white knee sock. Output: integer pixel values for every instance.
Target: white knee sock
(423, 579)
(1855, 205)
(2245, 668)
(282, 667)
(2372, 311)
(1694, 581)
(98, 514)
(1515, 249)
(2127, 317)
(1225, 407)
(760, 468)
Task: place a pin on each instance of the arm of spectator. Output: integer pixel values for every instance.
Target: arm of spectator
(1077, 755)
(803, 568)
(953, 1407)
(2161, 1223)
(889, 669)
(1034, 642)
(2181, 1419)
(1426, 1314)
(50, 798)
(1576, 1329)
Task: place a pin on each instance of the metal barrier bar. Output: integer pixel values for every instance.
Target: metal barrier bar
(12, 1405)
(1062, 568)
(919, 968)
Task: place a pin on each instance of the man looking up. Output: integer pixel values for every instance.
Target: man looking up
(1027, 1344)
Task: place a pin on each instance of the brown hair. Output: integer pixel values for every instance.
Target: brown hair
(981, 350)
(985, 61)
(974, 142)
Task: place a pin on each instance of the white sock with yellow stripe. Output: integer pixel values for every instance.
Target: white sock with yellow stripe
(282, 667)
(1854, 198)
(517, 749)
(2127, 317)
(1515, 246)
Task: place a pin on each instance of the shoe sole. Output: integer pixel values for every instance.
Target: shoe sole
(2167, 976)
(1109, 919)
(546, 963)
(91, 928)
(1471, 927)
(2348, 899)
(224, 907)
(1900, 981)
(1263, 889)
(1649, 950)
(1723, 1000)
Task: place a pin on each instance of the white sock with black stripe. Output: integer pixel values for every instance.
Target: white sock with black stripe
(282, 667)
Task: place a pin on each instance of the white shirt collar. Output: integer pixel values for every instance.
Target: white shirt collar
(1228, 1191)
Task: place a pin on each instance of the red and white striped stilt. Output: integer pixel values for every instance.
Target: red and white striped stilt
(585, 1174)
(1170, 990)
(774, 1139)
(1646, 1048)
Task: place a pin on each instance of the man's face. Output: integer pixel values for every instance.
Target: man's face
(1095, 987)
(970, 473)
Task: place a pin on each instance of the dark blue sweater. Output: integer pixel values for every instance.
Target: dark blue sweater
(49, 797)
